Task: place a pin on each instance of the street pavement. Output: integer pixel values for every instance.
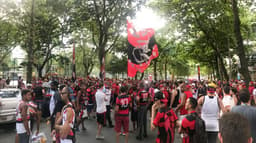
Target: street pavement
(7, 134)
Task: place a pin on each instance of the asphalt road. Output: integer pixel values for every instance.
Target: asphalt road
(7, 134)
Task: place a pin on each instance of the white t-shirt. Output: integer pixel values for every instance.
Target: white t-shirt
(100, 101)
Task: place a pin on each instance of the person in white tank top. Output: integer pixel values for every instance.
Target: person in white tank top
(68, 119)
(211, 106)
(23, 117)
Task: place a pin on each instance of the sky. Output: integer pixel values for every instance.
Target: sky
(145, 18)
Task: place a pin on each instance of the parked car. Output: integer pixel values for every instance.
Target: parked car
(9, 99)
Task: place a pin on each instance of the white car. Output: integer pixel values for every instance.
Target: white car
(9, 99)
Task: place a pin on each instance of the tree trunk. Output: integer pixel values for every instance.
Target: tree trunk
(30, 45)
(240, 46)
(165, 69)
(102, 63)
(40, 72)
(155, 72)
(213, 72)
(217, 68)
(223, 70)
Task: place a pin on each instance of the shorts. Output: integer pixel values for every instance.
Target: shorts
(122, 121)
(101, 118)
(23, 138)
(89, 108)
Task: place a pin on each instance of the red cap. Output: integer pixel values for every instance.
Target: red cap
(188, 86)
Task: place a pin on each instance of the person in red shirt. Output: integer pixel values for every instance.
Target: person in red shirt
(185, 95)
(163, 89)
(188, 123)
(165, 119)
(123, 102)
(251, 88)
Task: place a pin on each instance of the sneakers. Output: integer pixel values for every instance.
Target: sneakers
(101, 137)
(123, 134)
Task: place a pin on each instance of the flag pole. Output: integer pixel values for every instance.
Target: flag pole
(74, 64)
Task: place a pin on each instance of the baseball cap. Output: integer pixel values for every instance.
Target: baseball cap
(212, 87)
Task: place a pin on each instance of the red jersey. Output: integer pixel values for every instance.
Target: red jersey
(123, 102)
(166, 94)
(165, 120)
(188, 124)
(251, 89)
(144, 98)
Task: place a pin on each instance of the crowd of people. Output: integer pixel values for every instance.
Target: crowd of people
(200, 111)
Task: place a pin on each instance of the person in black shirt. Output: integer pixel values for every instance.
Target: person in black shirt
(57, 113)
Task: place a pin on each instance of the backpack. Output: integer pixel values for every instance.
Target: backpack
(199, 135)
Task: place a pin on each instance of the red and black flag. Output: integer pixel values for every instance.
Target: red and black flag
(74, 65)
(142, 48)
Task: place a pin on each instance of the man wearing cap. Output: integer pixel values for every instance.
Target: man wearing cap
(211, 106)
(163, 118)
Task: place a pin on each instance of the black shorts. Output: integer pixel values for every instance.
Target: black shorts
(89, 108)
(101, 118)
